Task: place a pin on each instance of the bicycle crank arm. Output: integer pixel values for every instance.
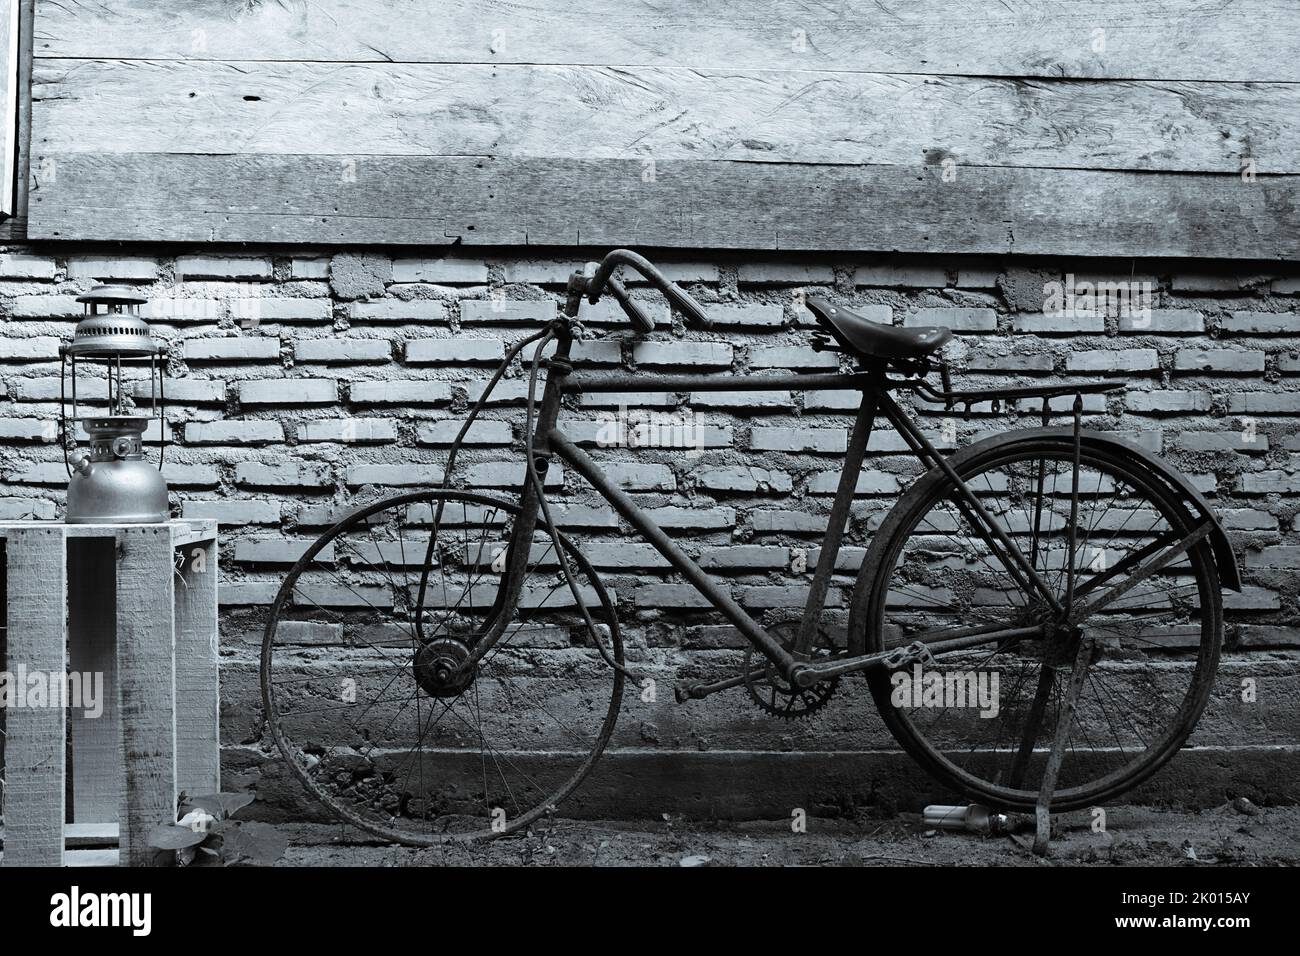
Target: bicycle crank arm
(805, 675)
(699, 691)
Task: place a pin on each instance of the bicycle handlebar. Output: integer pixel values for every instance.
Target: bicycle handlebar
(601, 276)
(640, 318)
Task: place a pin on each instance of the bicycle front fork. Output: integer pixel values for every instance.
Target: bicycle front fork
(519, 547)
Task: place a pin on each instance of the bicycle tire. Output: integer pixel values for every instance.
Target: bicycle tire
(874, 585)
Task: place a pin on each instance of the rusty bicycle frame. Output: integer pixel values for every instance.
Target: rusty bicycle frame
(872, 379)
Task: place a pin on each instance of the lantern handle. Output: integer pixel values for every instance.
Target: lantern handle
(63, 403)
(162, 405)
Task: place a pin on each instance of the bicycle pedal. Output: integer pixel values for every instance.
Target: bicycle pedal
(914, 653)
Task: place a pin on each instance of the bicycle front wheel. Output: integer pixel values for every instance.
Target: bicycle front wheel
(357, 697)
(983, 719)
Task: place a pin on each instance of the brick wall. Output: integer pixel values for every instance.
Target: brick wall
(305, 384)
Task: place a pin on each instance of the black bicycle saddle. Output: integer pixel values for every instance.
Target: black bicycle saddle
(872, 339)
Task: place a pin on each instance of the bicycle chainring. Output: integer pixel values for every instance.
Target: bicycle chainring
(773, 694)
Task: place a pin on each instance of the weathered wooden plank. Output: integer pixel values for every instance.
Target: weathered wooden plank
(181, 529)
(9, 90)
(146, 676)
(198, 748)
(1178, 40)
(694, 204)
(35, 749)
(15, 227)
(583, 112)
(96, 751)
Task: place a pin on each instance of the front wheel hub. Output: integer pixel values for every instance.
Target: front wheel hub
(438, 668)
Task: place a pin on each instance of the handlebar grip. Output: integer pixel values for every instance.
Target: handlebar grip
(686, 304)
(640, 318)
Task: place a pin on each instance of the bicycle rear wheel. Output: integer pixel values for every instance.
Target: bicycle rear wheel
(358, 704)
(982, 720)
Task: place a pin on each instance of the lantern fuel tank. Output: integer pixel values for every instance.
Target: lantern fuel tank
(114, 484)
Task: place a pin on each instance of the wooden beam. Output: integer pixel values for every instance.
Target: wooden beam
(1241, 40)
(92, 649)
(147, 682)
(36, 746)
(688, 203)
(198, 712)
(662, 113)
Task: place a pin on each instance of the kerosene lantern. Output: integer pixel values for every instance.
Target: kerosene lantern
(114, 483)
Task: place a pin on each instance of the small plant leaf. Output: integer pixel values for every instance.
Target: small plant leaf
(168, 836)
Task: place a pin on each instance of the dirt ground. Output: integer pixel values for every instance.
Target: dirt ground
(1231, 835)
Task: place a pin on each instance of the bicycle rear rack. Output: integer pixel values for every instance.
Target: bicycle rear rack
(950, 398)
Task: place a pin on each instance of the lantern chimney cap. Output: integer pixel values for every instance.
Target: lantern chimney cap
(113, 294)
(120, 334)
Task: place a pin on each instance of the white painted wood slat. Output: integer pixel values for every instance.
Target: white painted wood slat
(35, 749)
(147, 681)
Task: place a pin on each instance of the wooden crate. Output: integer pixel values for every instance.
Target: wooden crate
(138, 604)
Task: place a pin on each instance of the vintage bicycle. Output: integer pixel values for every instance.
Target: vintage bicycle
(448, 663)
